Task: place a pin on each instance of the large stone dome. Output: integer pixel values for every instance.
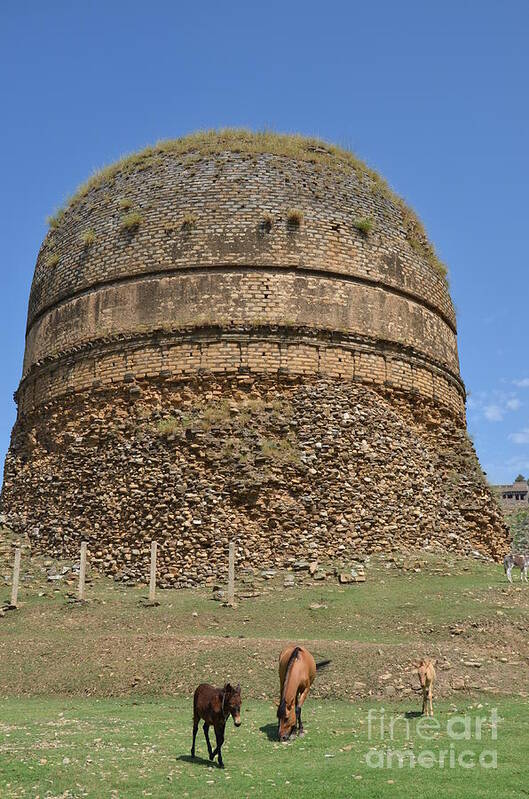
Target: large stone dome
(230, 232)
(236, 257)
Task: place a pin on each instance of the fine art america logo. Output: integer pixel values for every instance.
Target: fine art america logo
(462, 741)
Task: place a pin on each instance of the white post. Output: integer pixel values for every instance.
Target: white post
(82, 571)
(231, 574)
(152, 582)
(16, 576)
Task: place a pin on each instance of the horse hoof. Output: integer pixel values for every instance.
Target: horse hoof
(301, 733)
(221, 765)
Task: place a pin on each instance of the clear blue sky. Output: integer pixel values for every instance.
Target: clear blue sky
(433, 94)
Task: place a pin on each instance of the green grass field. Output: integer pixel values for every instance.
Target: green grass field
(96, 698)
(126, 749)
(114, 646)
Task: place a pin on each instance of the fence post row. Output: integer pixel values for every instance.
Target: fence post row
(152, 580)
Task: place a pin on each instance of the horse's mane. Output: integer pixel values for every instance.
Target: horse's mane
(283, 703)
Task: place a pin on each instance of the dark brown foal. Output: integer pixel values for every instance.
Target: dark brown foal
(215, 706)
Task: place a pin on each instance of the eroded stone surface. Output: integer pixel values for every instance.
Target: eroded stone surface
(300, 471)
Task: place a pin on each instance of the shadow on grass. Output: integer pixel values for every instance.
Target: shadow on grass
(412, 714)
(270, 730)
(199, 761)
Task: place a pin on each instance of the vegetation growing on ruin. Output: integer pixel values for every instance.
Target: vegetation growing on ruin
(131, 221)
(415, 236)
(88, 237)
(52, 260)
(205, 416)
(189, 221)
(244, 421)
(267, 221)
(294, 217)
(282, 450)
(55, 220)
(364, 225)
(170, 426)
(294, 146)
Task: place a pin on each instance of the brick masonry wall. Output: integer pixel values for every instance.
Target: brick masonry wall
(228, 196)
(264, 351)
(252, 297)
(229, 269)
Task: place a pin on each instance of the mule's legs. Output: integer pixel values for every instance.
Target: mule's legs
(431, 703)
(509, 569)
(206, 734)
(424, 703)
(195, 728)
(219, 735)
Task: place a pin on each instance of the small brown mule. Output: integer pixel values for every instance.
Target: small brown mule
(426, 672)
(297, 670)
(215, 706)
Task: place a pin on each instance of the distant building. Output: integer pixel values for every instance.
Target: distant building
(516, 493)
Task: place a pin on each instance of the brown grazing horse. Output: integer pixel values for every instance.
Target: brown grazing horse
(426, 672)
(297, 670)
(215, 706)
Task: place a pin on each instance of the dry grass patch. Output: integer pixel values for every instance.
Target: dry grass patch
(294, 217)
(189, 221)
(131, 221)
(281, 450)
(266, 222)
(88, 237)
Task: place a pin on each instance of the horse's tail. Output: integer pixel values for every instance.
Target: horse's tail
(322, 664)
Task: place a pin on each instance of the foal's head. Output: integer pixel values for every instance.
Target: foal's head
(286, 713)
(232, 703)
